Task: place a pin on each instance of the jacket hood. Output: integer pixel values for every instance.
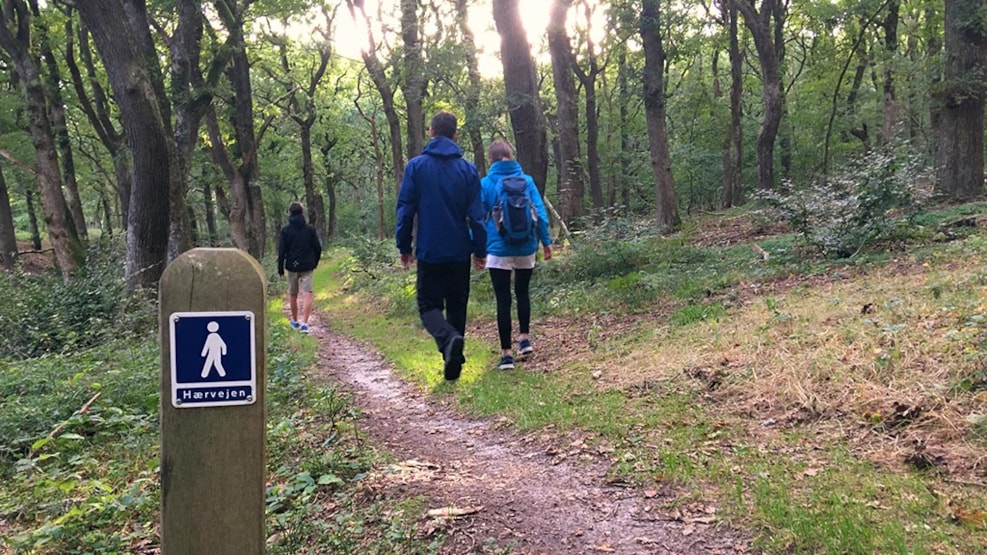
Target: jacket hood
(443, 147)
(503, 168)
(296, 220)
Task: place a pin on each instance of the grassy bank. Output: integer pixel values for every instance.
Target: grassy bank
(79, 455)
(830, 406)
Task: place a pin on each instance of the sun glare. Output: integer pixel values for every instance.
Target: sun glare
(350, 38)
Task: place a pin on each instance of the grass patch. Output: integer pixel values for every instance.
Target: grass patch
(86, 481)
(831, 406)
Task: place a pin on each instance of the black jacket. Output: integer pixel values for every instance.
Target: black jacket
(299, 249)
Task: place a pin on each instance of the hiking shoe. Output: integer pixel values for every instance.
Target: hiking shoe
(303, 328)
(453, 355)
(525, 348)
(294, 324)
(506, 362)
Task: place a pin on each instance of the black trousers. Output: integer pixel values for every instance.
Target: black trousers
(443, 287)
(501, 280)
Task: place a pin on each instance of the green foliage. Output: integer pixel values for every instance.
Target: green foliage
(373, 269)
(872, 200)
(78, 440)
(698, 313)
(44, 314)
(79, 447)
(371, 257)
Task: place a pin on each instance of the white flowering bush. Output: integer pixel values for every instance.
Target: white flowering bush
(872, 200)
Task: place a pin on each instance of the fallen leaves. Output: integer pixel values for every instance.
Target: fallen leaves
(969, 517)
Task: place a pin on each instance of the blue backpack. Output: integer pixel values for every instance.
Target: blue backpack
(514, 213)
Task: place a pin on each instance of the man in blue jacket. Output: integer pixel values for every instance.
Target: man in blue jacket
(443, 191)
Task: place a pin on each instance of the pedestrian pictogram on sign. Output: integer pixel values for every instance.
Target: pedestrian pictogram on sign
(213, 362)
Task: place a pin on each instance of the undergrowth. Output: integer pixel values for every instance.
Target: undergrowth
(42, 314)
(79, 439)
(792, 392)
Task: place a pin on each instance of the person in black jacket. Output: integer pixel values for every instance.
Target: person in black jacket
(299, 251)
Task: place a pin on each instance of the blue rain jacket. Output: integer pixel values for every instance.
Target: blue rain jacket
(496, 245)
(443, 189)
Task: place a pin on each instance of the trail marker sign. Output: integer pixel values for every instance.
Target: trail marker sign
(212, 359)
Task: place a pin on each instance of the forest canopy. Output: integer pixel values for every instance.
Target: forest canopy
(183, 123)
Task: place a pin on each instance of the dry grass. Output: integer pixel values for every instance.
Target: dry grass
(873, 359)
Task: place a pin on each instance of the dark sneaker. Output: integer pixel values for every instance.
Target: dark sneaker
(303, 328)
(506, 362)
(525, 348)
(453, 355)
(294, 324)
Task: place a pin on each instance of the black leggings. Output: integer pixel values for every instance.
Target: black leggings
(501, 280)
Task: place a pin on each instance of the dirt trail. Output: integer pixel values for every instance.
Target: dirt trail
(533, 497)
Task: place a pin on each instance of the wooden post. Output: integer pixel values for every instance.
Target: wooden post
(213, 449)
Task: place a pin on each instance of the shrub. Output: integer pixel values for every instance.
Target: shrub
(871, 200)
(44, 314)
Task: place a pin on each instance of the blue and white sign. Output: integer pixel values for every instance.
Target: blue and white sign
(213, 362)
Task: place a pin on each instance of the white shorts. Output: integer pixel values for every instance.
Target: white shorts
(511, 262)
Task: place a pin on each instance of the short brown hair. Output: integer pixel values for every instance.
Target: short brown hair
(444, 124)
(296, 208)
(500, 150)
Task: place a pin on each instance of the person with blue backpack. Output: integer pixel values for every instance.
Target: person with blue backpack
(516, 223)
(442, 190)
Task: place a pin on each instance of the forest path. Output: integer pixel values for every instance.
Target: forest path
(532, 494)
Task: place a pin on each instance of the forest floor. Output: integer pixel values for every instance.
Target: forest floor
(536, 493)
(540, 493)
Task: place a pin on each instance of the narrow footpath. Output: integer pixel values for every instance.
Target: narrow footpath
(529, 494)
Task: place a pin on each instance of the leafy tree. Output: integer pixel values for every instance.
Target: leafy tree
(121, 34)
(667, 215)
(16, 40)
(521, 91)
(962, 93)
(571, 184)
(766, 24)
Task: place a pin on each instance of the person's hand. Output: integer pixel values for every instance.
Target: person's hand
(281, 277)
(407, 260)
(479, 263)
(548, 252)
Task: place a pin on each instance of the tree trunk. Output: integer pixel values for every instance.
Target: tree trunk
(32, 219)
(191, 97)
(248, 172)
(521, 89)
(891, 51)
(59, 128)
(305, 118)
(209, 208)
(8, 238)
(934, 49)
(109, 214)
(118, 29)
(414, 77)
(97, 109)
(571, 187)
(326, 148)
(733, 185)
(623, 100)
(316, 208)
(379, 77)
(961, 169)
(667, 215)
(588, 80)
(769, 55)
(238, 210)
(472, 101)
(69, 251)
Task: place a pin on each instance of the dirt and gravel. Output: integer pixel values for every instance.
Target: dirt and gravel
(542, 493)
